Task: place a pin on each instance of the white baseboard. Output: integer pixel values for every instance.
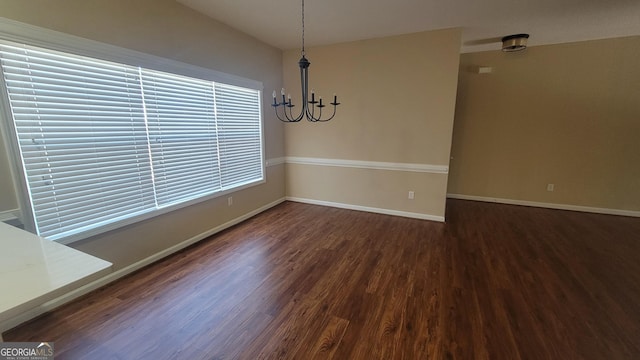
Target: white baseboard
(50, 305)
(9, 215)
(547, 205)
(368, 209)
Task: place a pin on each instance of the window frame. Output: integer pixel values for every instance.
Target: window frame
(14, 31)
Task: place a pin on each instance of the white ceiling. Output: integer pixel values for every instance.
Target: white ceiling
(484, 22)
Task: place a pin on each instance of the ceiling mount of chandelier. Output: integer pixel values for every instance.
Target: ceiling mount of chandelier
(309, 106)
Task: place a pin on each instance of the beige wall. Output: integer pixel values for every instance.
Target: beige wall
(167, 29)
(398, 98)
(564, 114)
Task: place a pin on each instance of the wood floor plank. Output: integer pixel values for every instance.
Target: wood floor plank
(309, 282)
(328, 341)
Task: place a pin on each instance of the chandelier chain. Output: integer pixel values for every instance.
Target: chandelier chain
(303, 53)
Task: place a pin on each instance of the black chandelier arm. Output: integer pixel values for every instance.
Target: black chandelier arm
(291, 117)
(308, 110)
(312, 104)
(278, 115)
(286, 119)
(311, 114)
(312, 118)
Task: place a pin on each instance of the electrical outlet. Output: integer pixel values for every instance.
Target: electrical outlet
(550, 187)
(230, 201)
(411, 195)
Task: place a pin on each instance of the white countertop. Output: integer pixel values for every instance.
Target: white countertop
(34, 270)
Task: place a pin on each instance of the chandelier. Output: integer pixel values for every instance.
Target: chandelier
(308, 106)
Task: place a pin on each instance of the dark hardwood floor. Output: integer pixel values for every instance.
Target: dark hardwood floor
(310, 282)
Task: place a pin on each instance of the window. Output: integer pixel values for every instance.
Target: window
(102, 142)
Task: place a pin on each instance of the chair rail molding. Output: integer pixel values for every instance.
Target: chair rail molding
(376, 165)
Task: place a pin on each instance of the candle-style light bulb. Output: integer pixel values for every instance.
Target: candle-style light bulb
(274, 94)
(282, 91)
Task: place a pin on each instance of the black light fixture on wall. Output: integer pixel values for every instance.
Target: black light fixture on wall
(308, 106)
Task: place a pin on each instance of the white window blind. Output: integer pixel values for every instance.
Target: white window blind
(183, 136)
(101, 142)
(238, 113)
(81, 132)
